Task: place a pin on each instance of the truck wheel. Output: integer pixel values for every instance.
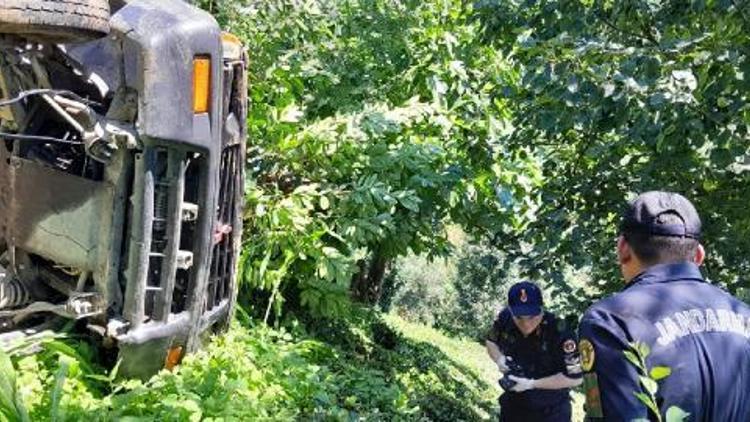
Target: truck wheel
(57, 21)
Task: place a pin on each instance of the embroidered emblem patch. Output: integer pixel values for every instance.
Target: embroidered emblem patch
(569, 346)
(587, 354)
(524, 298)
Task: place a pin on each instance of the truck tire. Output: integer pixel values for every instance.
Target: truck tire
(58, 21)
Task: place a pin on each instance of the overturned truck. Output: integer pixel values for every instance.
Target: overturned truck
(122, 127)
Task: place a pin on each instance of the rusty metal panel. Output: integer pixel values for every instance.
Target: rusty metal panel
(57, 215)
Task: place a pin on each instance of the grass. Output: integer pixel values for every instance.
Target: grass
(463, 352)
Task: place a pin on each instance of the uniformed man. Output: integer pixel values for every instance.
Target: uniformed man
(697, 330)
(526, 337)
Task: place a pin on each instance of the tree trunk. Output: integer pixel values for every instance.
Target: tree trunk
(367, 285)
(359, 281)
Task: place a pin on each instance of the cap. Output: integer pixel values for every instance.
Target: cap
(643, 215)
(525, 299)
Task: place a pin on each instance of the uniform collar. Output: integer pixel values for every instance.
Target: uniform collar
(664, 273)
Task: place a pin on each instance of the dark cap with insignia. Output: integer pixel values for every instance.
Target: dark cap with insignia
(525, 299)
(645, 215)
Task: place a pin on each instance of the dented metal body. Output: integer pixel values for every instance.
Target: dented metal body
(137, 203)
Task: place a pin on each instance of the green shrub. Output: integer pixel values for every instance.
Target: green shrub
(327, 369)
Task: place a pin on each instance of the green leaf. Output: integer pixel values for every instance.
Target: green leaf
(290, 114)
(324, 203)
(648, 401)
(645, 399)
(410, 202)
(660, 372)
(632, 358)
(7, 386)
(11, 405)
(675, 414)
(650, 385)
(60, 375)
(642, 349)
(263, 267)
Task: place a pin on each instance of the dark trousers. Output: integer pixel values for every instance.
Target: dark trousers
(513, 412)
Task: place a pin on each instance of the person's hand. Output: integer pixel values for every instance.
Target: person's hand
(522, 384)
(502, 364)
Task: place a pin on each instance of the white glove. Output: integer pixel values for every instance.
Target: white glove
(522, 384)
(501, 365)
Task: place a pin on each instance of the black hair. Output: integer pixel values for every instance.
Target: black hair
(652, 249)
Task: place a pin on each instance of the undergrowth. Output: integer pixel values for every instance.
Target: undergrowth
(361, 368)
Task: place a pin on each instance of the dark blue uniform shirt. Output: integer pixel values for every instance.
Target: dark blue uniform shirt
(692, 327)
(549, 350)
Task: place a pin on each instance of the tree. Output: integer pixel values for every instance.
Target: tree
(364, 148)
(375, 122)
(622, 97)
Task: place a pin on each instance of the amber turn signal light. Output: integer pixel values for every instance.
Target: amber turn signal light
(173, 357)
(201, 84)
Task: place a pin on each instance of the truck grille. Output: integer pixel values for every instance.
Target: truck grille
(224, 254)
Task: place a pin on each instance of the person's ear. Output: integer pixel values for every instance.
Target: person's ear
(700, 255)
(624, 253)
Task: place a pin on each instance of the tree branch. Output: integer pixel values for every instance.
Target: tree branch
(614, 27)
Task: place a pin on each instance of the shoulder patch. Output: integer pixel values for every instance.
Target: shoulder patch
(587, 354)
(569, 346)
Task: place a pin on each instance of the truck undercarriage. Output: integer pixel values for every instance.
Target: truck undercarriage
(122, 169)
